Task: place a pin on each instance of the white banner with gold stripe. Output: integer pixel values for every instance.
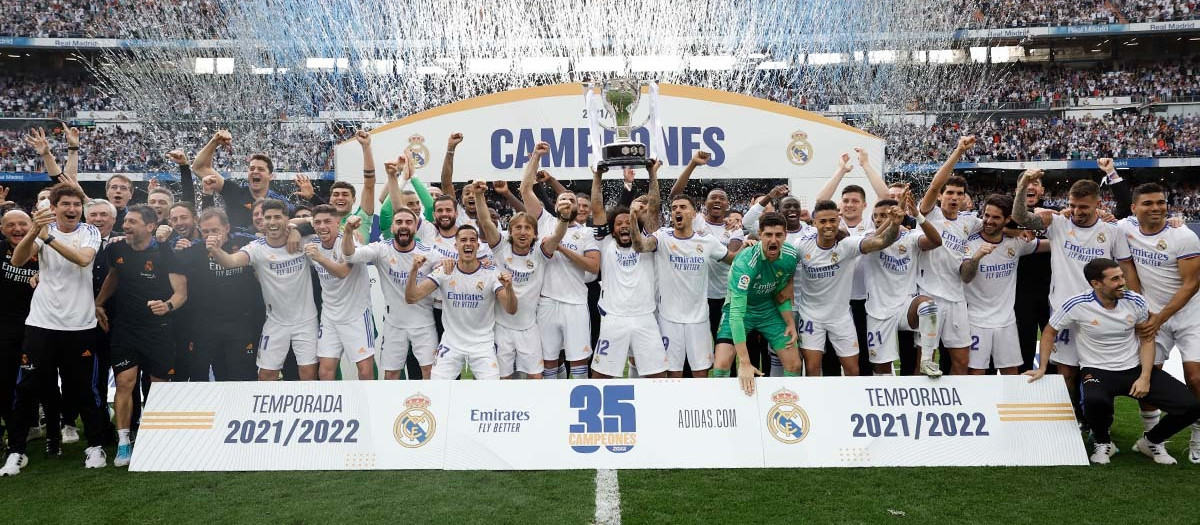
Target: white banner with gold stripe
(689, 423)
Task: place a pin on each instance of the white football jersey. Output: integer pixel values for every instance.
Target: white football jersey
(1157, 259)
(468, 305)
(627, 286)
(564, 282)
(446, 249)
(682, 266)
(824, 278)
(1105, 339)
(286, 282)
(937, 269)
(892, 275)
(1072, 247)
(991, 294)
(718, 273)
(394, 267)
(426, 232)
(342, 300)
(528, 275)
(63, 298)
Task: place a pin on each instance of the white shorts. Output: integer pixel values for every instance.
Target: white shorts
(1181, 331)
(882, 336)
(998, 347)
(1064, 352)
(356, 338)
(692, 342)
(518, 350)
(393, 346)
(278, 338)
(954, 327)
(841, 333)
(481, 359)
(619, 335)
(564, 326)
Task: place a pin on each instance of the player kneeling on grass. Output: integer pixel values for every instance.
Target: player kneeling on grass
(760, 298)
(469, 295)
(1115, 361)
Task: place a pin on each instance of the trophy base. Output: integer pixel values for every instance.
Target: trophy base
(621, 154)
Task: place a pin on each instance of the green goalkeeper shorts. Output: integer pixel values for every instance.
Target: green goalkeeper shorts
(768, 323)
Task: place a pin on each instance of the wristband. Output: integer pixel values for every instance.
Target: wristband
(920, 218)
(73, 148)
(49, 239)
(170, 307)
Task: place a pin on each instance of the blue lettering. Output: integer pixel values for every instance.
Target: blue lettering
(712, 139)
(561, 152)
(501, 161)
(525, 143)
(690, 144)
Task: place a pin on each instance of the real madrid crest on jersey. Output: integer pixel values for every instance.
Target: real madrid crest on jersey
(799, 151)
(420, 153)
(786, 421)
(1012, 252)
(479, 285)
(529, 264)
(1162, 245)
(901, 249)
(833, 257)
(1100, 238)
(416, 425)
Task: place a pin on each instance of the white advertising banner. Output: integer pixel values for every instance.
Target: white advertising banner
(548, 425)
(748, 137)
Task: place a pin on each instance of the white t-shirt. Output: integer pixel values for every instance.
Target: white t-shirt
(528, 275)
(565, 282)
(892, 275)
(426, 231)
(682, 266)
(937, 269)
(859, 291)
(1157, 259)
(286, 282)
(63, 299)
(991, 294)
(1104, 338)
(394, 266)
(1072, 247)
(627, 285)
(718, 273)
(342, 300)
(468, 305)
(824, 278)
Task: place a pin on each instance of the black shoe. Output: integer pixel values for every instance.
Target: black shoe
(53, 449)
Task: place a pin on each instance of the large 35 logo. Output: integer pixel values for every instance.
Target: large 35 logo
(607, 417)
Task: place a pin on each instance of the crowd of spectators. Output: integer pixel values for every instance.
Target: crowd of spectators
(1042, 13)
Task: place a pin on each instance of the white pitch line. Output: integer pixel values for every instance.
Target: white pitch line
(608, 498)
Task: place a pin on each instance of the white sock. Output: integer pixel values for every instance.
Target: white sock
(123, 436)
(562, 370)
(1150, 418)
(776, 366)
(927, 327)
(549, 373)
(579, 372)
(1196, 432)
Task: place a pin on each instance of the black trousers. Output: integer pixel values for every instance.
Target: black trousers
(1100, 387)
(11, 336)
(229, 349)
(1033, 312)
(44, 353)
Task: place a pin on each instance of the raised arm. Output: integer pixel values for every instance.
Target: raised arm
(641, 243)
(1034, 220)
(448, 163)
(700, 158)
(367, 201)
(37, 140)
(968, 269)
(943, 173)
(873, 177)
(71, 171)
(835, 180)
(1121, 192)
(348, 229)
(506, 295)
(514, 202)
(185, 174)
(491, 234)
(533, 205)
(654, 198)
(202, 164)
(599, 216)
(565, 215)
(887, 233)
(417, 289)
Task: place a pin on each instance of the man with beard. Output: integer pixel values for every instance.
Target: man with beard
(341, 194)
(471, 292)
(226, 334)
(1074, 242)
(347, 324)
(825, 275)
(626, 297)
(1033, 284)
(1115, 351)
(937, 269)
(404, 324)
(1168, 268)
(562, 312)
(16, 286)
(287, 288)
(146, 285)
(682, 259)
(518, 342)
(238, 199)
(760, 298)
(181, 217)
(988, 272)
(59, 332)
